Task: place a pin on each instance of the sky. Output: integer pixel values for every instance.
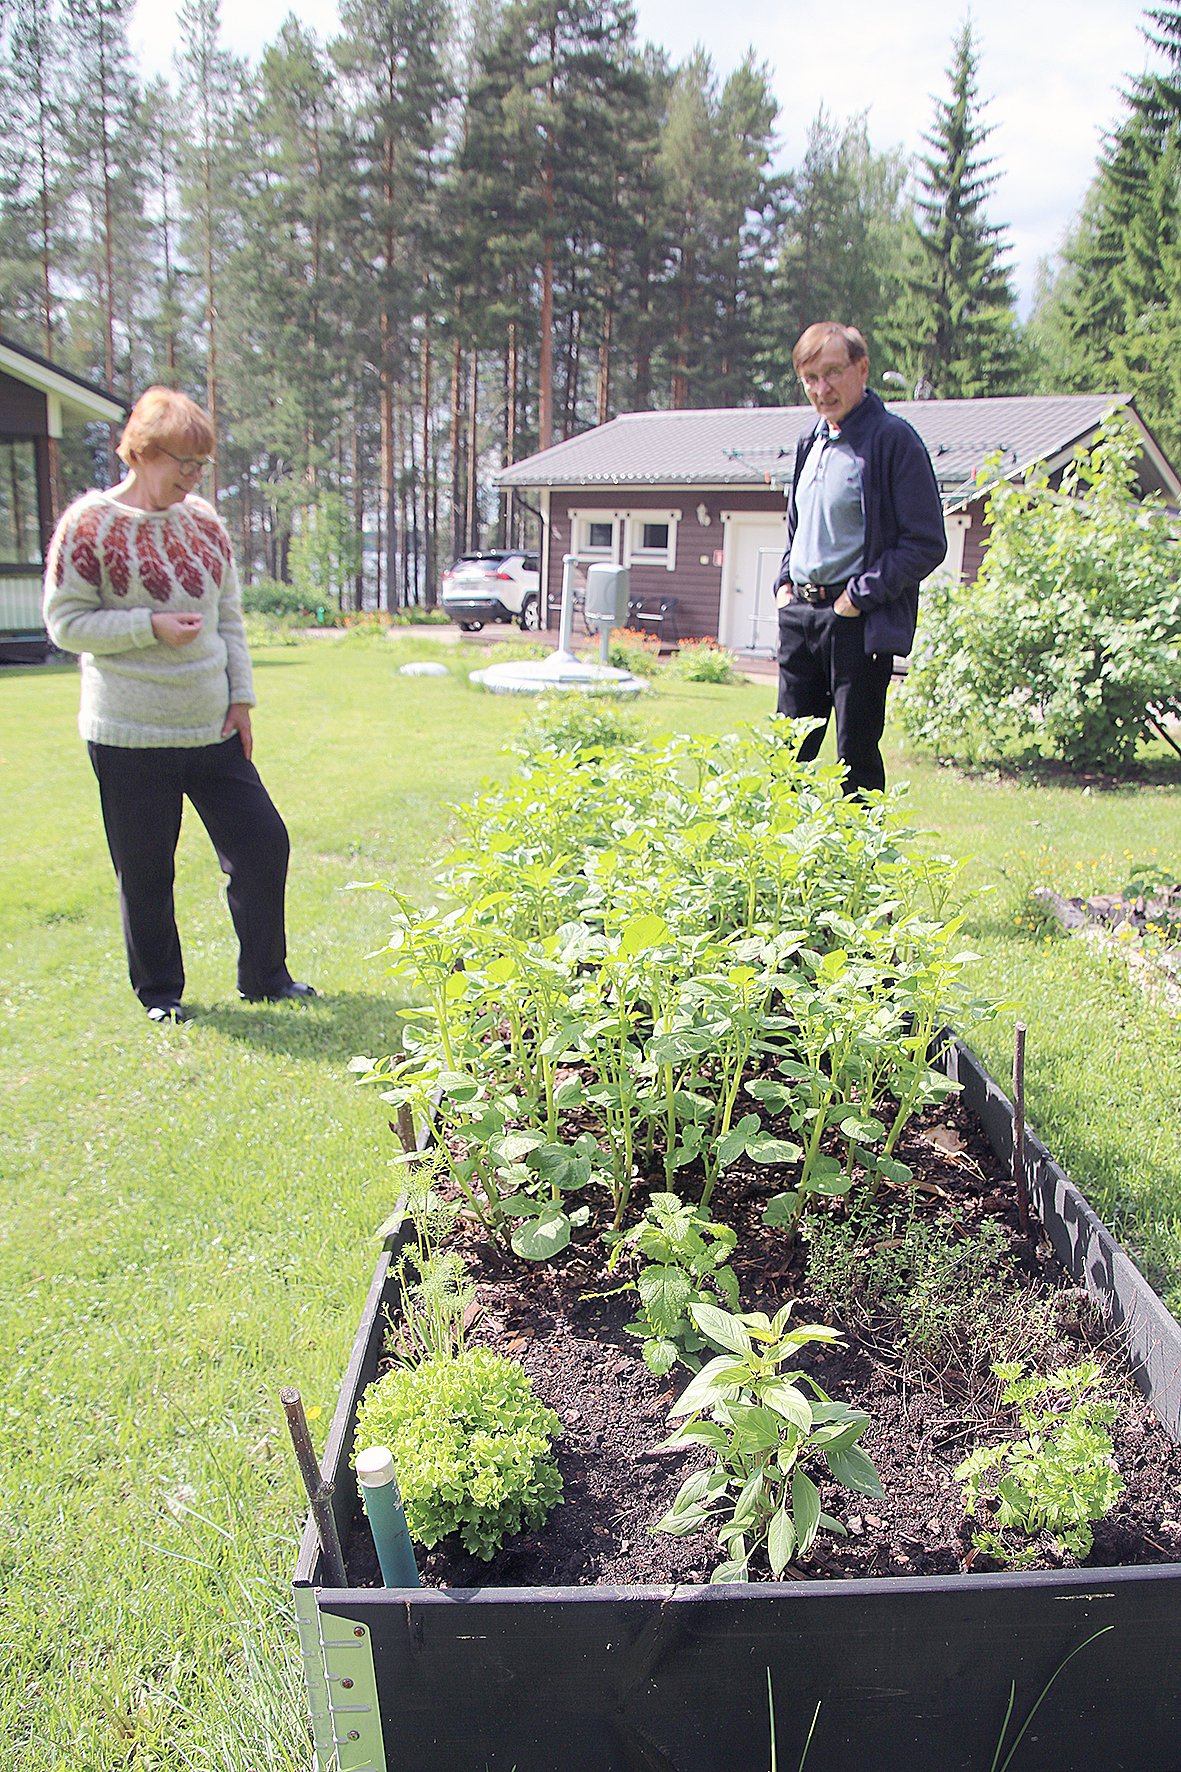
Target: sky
(1051, 72)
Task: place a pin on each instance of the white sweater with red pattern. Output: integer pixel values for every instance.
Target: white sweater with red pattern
(109, 568)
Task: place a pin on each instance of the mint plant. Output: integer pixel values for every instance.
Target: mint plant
(1060, 1477)
(686, 1254)
(753, 1414)
(471, 1444)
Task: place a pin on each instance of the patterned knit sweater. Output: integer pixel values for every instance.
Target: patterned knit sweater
(109, 568)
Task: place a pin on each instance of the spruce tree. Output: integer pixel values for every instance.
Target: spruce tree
(953, 327)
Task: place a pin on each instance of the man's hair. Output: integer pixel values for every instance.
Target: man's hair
(814, 338)
(162, 417)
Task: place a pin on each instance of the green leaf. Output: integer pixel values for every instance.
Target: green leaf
(787, 1401)
(721, 1328)
(852, 1467)
(709, 1386)
(691, 1519)
(805, 1505)
(775, 1097)
(660, 1356)
(539, 1238)
(515, 1145)
(781, 1540)
(772, 1150)
(758, 1429)
(860, 1130)
(732, 1144)
(642, 934)
(559, 1164)
(665, 1293)
(568, 1094)
(781, 1211)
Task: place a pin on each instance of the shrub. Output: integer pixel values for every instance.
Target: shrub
(1070, 639)
(571, 722)
(704, 661)
(266, 596)
(634, 651)
(471, 1446)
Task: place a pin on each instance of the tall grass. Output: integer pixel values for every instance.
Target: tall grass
(187, 1215)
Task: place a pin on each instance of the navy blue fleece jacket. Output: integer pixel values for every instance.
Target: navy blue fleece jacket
(904, 535)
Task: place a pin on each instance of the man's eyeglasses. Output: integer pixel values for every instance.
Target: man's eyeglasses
(815, 378)
(188, 464)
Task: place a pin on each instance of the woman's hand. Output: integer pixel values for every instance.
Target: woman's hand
(173, 629)
(238, 720)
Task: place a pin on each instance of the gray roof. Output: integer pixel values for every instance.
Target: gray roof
(753, 445)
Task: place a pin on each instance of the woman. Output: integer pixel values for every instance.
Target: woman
(141, 581)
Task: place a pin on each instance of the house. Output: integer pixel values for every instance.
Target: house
(693, 502)
(36, 399)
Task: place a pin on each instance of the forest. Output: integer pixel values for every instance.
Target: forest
(392, 263)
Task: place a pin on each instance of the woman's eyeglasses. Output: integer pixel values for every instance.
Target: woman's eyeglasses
(188, 464)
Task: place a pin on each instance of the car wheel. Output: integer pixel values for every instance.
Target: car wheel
(471, 627)
(531, 614)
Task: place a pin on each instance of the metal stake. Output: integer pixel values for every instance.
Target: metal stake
(1019, 1126)
(319, 1492)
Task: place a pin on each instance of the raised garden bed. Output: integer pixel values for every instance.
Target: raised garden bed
(909, 1671)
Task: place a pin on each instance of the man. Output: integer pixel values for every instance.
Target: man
(864, 525)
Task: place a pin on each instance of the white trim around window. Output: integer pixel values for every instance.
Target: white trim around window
(624, 538)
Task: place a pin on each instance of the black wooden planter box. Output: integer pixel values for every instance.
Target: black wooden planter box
(912, 1675)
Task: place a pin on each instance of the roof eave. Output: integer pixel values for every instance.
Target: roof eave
(78, 399)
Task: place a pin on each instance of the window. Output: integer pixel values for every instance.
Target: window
(652, 539)
(593, 534)
(20, 528)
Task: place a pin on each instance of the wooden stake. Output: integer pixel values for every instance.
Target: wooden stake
(406, 1128)
(1019, 1126)
(319, 1492)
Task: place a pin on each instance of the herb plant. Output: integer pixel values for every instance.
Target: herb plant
(1060, 1477)
(749, 1411)
(471, 1444)
(686, 1253)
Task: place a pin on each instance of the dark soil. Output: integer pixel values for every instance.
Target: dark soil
(925, 1417)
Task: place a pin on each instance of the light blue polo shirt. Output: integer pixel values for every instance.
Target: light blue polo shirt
(828, 546)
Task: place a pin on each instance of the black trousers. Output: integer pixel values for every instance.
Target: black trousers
(142, 794)
(825, 670)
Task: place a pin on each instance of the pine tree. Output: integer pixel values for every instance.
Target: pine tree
(211, 88)
(1110, 316)
(840, 245)
(954, 325)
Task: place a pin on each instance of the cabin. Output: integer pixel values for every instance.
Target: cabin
(37, 399)
(694, 502)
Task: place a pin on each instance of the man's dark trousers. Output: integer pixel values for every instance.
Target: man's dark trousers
(142, 793)
(824, 669)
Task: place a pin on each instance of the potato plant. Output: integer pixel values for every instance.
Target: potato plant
(650, 952)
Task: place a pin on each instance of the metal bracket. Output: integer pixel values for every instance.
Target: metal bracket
(346, 1649)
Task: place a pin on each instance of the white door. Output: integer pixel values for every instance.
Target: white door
(750, 617)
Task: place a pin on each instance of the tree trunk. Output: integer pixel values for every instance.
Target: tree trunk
(472, 525)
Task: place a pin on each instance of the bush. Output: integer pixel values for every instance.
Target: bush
(704, 661)
(266, 596)
(630, 650)
(471, 1446)
(571, 722)
(1070, 639)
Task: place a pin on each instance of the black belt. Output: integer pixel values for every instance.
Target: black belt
(810, 593)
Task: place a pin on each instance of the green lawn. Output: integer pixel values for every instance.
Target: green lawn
(187, 1215)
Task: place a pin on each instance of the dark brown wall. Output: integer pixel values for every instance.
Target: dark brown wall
(22, 409)
(696, 587)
